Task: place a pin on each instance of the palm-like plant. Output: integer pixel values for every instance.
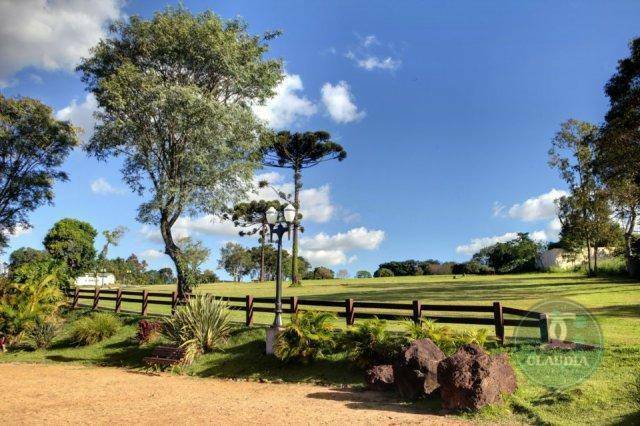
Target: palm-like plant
(34, 295)
(369, 343)
(309, 335)
(298, 151)
(202, 325)
(447, 339)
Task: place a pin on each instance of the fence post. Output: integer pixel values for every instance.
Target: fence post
(76, 297)
(348, 303)
(118, 299)
(174, 302)
(417, 311)
(293, 304)
(498, 318)
(145, 301)
(96, 298)
(249, 310)
(544, 328)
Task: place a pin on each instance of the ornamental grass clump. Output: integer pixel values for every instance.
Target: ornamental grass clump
(202, 325)
(447, 339)
(308, 336)
(370, 343)
(94, 328)
(43, 332)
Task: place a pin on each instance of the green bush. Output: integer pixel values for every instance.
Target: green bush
(383, 273)
(447, 339)
(369, 343)
(94, 328)
(363, 274)
(43, 333)
(309, 335)
(202, 325)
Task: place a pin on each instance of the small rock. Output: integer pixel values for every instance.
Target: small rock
(379, 378)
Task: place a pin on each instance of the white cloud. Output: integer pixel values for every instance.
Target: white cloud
(315, 202)
(339, 103)
(369, 40)
(331, 250)
(17, 232)
(186, 227)
(101, 186)
(287, 107)
(479, 243)
(50, 35)
(356, 238)
(151, 254)
(373, 62)
(81, 115)
(541, 207)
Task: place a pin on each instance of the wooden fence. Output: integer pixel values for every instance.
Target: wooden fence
(350, 309)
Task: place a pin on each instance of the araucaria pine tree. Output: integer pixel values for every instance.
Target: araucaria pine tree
(298, 151)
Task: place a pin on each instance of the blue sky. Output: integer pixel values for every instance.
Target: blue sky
(446, 109)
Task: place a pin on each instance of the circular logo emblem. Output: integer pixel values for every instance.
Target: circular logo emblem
(574, 348)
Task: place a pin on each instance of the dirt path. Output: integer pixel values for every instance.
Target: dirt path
(63, 394)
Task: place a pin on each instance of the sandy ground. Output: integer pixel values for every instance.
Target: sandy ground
(66, 394)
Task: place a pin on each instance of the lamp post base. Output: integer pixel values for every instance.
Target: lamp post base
(272, 332)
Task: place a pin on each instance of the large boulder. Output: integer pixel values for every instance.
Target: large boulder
(471, 378)
(416, 370)
(379, 377)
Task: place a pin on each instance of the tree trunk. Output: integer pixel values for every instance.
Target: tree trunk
(297, 182)
(174, 252)
(595, 259)
(589, 271)
(262, 247)
(628, 241)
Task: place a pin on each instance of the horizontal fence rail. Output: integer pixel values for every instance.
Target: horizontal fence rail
(349, 309)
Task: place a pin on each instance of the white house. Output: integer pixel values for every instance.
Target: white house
(93, 280)
(560, 258)
(4, 268)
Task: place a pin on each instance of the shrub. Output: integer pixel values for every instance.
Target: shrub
(43, 333)
(309, 335)
(33, 294)
(383, 273)
(94, 328)
(363, 274)
(322, 273)
(200, 326)
(148, 331)
(472, 267)
(447, 339)
(369, 343)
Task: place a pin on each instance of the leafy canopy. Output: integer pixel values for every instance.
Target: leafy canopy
(71, 242)
(33, 146)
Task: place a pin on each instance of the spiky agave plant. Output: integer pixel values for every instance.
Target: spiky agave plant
(309, 335)
(202, 325)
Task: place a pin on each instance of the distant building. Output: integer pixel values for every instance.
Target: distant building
(4, 268)
(93, 280)
(561, 258)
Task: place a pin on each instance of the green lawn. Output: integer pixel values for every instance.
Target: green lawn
(608, 397)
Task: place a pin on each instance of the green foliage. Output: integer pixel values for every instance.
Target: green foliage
(363, 274)
(191, 257)
(175, 95)
(42, 332)
(25, 255)
(112, 238)
(515, 256)
(95, 328)
(201, 325)
(308, 336)
(71, 241)
(472, 267)
(320, 273)
(447, 339)
(236, 260)
(370, 343)
(33, 147)
(33, 295)
(383, 273)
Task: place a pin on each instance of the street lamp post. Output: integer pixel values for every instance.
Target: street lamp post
(279, 224)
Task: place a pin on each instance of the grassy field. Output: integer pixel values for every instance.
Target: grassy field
(608, 397)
